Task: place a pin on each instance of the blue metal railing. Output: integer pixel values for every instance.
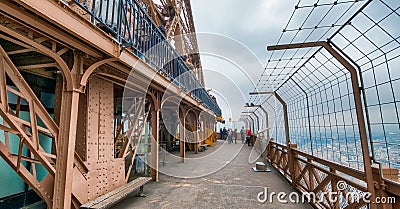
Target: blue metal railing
(132, 27)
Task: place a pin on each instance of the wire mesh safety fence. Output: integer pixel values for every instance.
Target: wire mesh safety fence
(317, 88)
(372, 42)
(329, 107)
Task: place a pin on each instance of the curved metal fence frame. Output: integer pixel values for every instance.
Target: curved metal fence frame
(342, 95)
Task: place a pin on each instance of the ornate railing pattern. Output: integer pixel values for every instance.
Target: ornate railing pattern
(334, 185)
(131, 26)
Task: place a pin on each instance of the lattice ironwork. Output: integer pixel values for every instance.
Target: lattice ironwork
(319, 178)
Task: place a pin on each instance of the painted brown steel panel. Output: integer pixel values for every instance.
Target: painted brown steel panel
(80, 186)
(106, 121)
(92, 180)
(80, 146)
(106, 173)
(92, 133)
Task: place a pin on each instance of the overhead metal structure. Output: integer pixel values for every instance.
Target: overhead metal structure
(177, 19)
(82, 85)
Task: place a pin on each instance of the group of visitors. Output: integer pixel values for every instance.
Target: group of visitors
(228, 134)
(232, 134)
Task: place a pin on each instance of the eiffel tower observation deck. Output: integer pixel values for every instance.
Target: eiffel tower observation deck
(200, 104)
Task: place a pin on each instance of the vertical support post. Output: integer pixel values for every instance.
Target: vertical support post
(66, 139)
(252, 124)
(57, 107)
(3, 85)
(58, 98)
(264, 152)
(251, 121)
(266, 120)
(360, 120)
(182, 142)
(258, 122)
(214, 127)
(308, 116)
(336, 205)
(203, 129)
(289, 148)
(195, 128)
(311, 176)
(155, 122)
(66, 150)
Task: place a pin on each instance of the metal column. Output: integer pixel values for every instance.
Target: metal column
(182, 143)
(155, 122)
(258, 121)
(266, 120)
(253, 124)
(66, 150)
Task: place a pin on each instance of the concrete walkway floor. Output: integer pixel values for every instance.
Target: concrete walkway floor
(229, 182)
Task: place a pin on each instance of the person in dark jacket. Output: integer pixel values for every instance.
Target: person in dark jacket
(224, 133)
(243, 134)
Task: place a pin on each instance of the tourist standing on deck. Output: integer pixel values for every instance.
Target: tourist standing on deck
(243, 134)
(248, 133)
(221, 136)
(230, 136)
(235, 134)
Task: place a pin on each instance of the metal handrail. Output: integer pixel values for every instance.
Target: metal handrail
(131, 26)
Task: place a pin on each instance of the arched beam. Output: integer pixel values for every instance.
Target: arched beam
(92, 68)
(154, 98)
(131, 85)
(168, 98)
(63, 66)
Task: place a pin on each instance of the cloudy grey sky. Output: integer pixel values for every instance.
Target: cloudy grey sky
(244, 30)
